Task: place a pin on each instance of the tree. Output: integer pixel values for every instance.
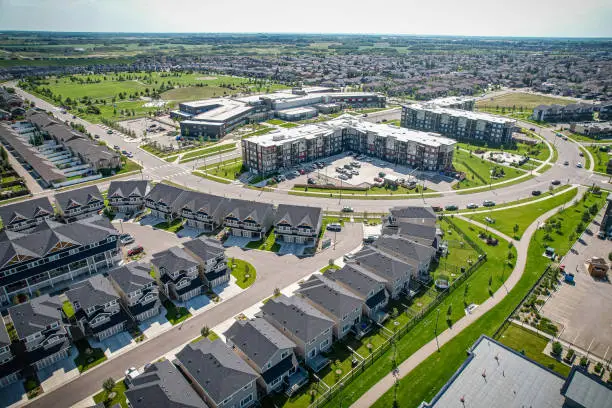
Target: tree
(205, 331)
(449, 311)
(515, 228)
(108, 385)
(557, 348)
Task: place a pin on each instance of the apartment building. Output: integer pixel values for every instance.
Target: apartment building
(25, 215)
(310, 329)
(77, 204)
(54, 254)
(137, 289)
(97, 308)
(285, 148)
(267, 351)
(297, 224)
(250, 219)
(128, 196)
(210, 254)
(459, 124)
(574, 112)
(596, 130)
(455, 102)
(10, 367)
(39, 327)
(178, 273)
(219, 376)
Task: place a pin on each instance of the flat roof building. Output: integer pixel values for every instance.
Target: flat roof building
(455, 102)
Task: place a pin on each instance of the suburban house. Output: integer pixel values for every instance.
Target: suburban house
(335, 301)
(128, 196)
(394, 271)
(201, 211)
(268, 352)
(297, 224)
(211, 256)
(410, 213)
(162, 385)
(178, 273)
(369, 287)
(137, 289)
(9, 365)
(218, 375)
(161, 199)
(310, 329)
(25, 215)
(414, 223)
(573, 112)
(420, 256)
(96, 307)
(249, 219)
(53, 254)
(77, 204)
(41, 332)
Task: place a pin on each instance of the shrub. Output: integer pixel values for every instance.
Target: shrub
(557, 348)
(598, 367)
(569, 356)
(584, 362)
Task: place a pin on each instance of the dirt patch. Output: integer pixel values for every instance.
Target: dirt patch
(206, 78)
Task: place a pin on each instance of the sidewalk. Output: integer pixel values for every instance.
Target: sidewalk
(387, 382)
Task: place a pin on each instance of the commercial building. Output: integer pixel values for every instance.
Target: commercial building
(284, 148)
(596, 130)
(54, 254)
(458, 123)
(454, 102)
(574, 112)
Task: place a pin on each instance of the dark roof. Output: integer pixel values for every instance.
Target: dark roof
(297, 316)
(51, 235)
(40, 119)
(5, 339)
(128, 188)
(421, 231)
(404, 248)
(131, 277)
(165, 193)
(242, 209)
(413, 212)
(296, 215)
(173, 259)
(34, 316)
(94, 291)
(200, 202)
(78, 197)
(382, 264)
(378, 297)
(215, 368)
(161, 385)
(257, 339)
(330, 296)
(279, 369)
(205, 248)
(358, 279)
(25, 209)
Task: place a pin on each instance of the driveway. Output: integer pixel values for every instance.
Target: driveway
(13, 394)
(240, 242)
(114, 344)
(152, 240)
(59, 372)
(155, 325)
(197, 304)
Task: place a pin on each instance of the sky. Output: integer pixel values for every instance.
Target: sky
(522, 18)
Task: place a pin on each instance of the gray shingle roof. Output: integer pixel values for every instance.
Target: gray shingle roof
(165, 193)
(33, 316)
(125, 189)
(205, 248)
(257, 339)
(330, 296)
(218, 370)
(5, 339)
(297, 316)
(92, 292)
(81, 196)
(297, 215)
(197, 201)
(383, 264)
(132, 276)
(242, 209)
(404, 248)
(161, 385)
(173, 259)
(25, 209)
(358, 279)
(413, 212)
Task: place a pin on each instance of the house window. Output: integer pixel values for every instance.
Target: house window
(312, 353)
(284, 354)
(247, 400)
(225, 401)
(276, 381)
(324, 344)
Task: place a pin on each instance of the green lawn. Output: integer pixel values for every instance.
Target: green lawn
(86, 360)
(175, 315)
(243, 271)
(128, 166)
(209, 177)
(173, 226)
(276, 122)
(119, 390)
(258, 132)
(600, 157)
(459, 252)
(196, 154)
(538, 151)
(422, 383)
(289, 125)
(212, 336)
(527, 101)
(532, 346)
(68, 309)
(266, 244)
(478, 171)
(507, 184)
(229, 169)
(514, 221)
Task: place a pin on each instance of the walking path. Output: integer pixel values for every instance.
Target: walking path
(387, 382)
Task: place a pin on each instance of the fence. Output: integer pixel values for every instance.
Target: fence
(469, 240)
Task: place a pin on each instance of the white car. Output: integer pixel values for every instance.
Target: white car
(472, 205)
(342, 177)
(126, 239)
(130, 374)
(355, 172)
(579, 165)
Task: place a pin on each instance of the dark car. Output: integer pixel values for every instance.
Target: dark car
(536, 192)
(135, 251)
(488, 203)
(451, 208)
(555, 182)
(436, 208)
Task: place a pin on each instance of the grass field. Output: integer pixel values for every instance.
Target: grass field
(173, 226)
(198, 154)
(229, 169)
(520, 99)
(243, 271)
(478, 171)
(514, 221)
(600, 157)
(538, 151)
(509, 183)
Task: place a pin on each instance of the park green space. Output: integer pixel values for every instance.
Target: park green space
(243, 271)
(229, 169)
(477, 171)
(600, 157)
(504, 185)
(518, 100)
(423, 382)
(538, 151)
(514, 221)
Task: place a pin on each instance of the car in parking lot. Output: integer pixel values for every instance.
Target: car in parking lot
(116, 147)
(355, 172)
(110, 132)
(488, 203)
(135, 250)
(347, 209)
(339, 169)
(579, 165)
(356, 164)
(301, 171)
(342, 177)
(451, 207)
(348, 166)
(555, 182)
(536, 193)
(296, 173)
(471, 206)
(124, 152)
(378, 179)
(311, 180)
(126, 239)
(334, 227)
(96, 136)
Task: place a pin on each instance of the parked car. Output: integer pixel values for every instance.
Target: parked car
(488, 203)
(296, 173)
(302, 171)
(601, 235)
(382, 174)
(116, 147)
(311, 181)
(436, 208)
(334, 227)
(356, 164)
(126, 239)
(581, 154)
(124, 152)
(339, 169)
(96, 136)
(109, 132)
(579, 165)
(536, 193)
(471, 206)
(555, 182)
(378, 179)
(136, 250)
(347, 166)
(130, 374)
(342, 177)
(451, 207)
(532, 129)
(565, 163)
(347, 209)
(355, 172)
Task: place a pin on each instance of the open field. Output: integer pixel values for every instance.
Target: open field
(527, 101)
(478, 171)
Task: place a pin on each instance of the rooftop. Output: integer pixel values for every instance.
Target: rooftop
(460, 113)
(92, 292)
(34, 316)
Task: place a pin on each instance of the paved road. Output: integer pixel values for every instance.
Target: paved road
(272, 272)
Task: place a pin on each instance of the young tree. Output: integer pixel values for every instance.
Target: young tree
(205, 331)
(108, 384)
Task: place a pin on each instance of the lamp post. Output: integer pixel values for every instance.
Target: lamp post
(395, 386)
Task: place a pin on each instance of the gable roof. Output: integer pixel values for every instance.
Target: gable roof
(257, 339)
(297, 316)
(413, 212)
(132, 276)
(422, 231)
(80, 196)
(92, 292)
(33, 316)
(403, 248)
(242, 209)
(197, 201)
(383, 264)
(205, 248)
(173, 259)
(165, 193)
(128, 188)
(161, 385)
(331, 296)
(25, 209)
(297, 214)
(218, 370)
(357, 279)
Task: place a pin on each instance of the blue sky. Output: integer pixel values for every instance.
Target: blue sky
(545, 18)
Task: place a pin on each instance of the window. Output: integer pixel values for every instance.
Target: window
(225, 401)
(246, 387)
(324, 344)
(284, 354)
(246, 400)
(276, 381)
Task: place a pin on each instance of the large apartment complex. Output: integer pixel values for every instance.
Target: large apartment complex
(458, 124)
(285, 148)
(213, 118)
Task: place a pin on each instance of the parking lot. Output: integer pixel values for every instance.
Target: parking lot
(156, 131)
(152, 240)
(582, 309)
(368, 169)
